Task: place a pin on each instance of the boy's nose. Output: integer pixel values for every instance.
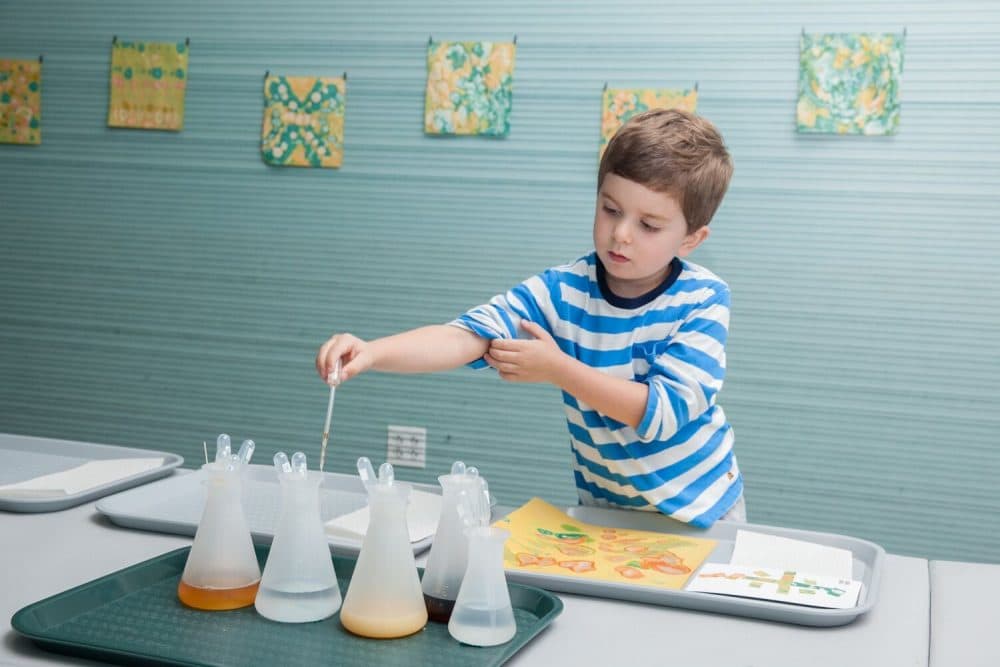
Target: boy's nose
(621, 232)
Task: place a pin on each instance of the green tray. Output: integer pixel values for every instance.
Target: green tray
(133, 616)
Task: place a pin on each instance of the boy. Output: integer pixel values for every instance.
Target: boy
(632, 334)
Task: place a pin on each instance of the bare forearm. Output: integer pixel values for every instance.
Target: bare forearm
(437, 347)
(620, 399)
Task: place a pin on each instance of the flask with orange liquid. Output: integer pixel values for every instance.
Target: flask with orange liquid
(222, 570)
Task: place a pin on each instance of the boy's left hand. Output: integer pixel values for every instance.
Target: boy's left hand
(519, 360)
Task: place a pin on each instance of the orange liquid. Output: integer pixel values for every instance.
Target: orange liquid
(217, 599)
(384, 626)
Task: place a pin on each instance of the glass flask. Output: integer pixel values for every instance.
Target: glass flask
(299, 583)
(449, 553)
(221, 571)
(384, 599)
(483, 615)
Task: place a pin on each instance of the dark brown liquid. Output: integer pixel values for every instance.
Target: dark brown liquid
(438, 609)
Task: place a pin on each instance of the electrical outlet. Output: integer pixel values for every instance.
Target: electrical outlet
(407, 446)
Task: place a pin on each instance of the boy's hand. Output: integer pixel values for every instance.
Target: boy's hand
(354, 353)
(537, 360)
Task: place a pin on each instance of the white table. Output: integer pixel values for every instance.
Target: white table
(44, 554)
(963, 615)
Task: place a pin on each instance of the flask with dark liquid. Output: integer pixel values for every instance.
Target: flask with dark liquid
(448, 558)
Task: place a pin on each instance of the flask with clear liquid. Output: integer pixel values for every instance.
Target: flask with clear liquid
(449, 554)
(483, 615)
(299, 584)
(384, 599)
(221, 571)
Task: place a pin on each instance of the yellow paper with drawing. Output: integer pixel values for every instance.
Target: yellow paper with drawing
(546, 540)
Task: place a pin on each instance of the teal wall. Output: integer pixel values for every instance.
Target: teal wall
(158, 288)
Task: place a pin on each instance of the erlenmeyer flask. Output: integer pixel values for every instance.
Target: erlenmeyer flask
(299, 584)
(448, 557)
(221, 571)
(384, 599)
(483, 615)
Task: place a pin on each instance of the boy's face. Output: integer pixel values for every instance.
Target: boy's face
(637, 231)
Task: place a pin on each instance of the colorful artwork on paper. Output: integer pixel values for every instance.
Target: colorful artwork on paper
(303, 121)
(849, 83)
(546, 540)
(620, 104)
(20, 102)
(781, 585)
(469, 88)
(148, 81)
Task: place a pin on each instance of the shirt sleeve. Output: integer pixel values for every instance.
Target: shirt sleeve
(501, 317)
(686, 376)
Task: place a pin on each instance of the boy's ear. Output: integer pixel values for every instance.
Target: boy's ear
(692, 241)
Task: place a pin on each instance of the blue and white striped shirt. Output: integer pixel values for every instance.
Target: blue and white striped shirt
(679, 460)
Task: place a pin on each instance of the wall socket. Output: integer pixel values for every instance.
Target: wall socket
(407, 446)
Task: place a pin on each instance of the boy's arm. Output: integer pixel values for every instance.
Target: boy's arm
(432, 348)
(541, 360)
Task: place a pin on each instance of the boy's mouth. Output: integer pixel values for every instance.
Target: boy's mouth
(615, 257)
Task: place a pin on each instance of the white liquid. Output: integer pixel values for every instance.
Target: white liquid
(482, 626)
(299, 603)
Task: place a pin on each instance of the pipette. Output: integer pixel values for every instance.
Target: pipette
(333, 380)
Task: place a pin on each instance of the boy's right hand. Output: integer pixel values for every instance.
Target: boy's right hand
(354, 353)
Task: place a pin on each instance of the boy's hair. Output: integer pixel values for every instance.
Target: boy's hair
(675, 152)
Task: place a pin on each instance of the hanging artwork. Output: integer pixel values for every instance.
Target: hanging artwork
(20, 101)
(148, 81)
(849, 83)
(469, 87)
(620, 104)
(303, 121)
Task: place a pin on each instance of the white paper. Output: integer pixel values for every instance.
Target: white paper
(776, 584)
(770, 551)
(421, 518)
(81, 478)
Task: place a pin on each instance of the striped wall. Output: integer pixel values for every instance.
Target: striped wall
(157, 288)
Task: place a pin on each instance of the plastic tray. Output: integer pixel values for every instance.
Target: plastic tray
(867, 556)
(175, 505)
(133, 615)
(26, 457)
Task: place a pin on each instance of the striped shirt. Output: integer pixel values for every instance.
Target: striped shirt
(679, 460)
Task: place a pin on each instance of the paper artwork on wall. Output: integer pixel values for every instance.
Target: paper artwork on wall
(303, 121)
(620, 104)
(469, 88)
(20, 102)
(849, 83)
(148, 81)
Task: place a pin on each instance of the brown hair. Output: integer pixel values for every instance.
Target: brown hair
(675, 152)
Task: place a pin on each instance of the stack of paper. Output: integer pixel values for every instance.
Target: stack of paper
(84, 477)
(421, 518)
(770, 567)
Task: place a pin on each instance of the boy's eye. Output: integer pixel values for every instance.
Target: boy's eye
(649, 227)
(611, 210)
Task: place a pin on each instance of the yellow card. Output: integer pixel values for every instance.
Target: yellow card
(546, 540)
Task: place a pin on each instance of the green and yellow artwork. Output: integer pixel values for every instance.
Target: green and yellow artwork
(469, 88)
(303, 121)
(148, 81)
(620, 104)
(20, 102)
(849, 83)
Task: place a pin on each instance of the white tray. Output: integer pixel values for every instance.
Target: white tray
(174, 505)
(26, 457)
(867, 568)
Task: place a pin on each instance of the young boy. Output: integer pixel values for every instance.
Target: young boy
(633, 334)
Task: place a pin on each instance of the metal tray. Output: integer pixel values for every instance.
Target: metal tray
(26, 457)
(175, 505)
(868, 559)
(133, 616)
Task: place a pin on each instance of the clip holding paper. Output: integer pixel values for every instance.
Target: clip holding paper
(345, 76)
(430, 40)
(187, 41)
(267, 73)
(605, 86)
(696, 86)
(114, 40)
(41, 58)
(515, 40)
